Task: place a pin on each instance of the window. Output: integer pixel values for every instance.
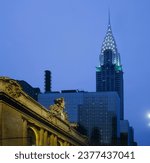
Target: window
(31, 137)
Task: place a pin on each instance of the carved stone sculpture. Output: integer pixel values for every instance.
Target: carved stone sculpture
(58, 108)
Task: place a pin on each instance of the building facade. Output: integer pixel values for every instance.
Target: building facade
(99, 116)
(109, 74)
(23, 121)
(126, 134)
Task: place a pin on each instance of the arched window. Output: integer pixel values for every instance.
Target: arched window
(31, 137)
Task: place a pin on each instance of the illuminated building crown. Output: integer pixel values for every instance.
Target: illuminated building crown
(109, 43)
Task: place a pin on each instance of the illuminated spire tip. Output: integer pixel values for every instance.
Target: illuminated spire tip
(109, 43)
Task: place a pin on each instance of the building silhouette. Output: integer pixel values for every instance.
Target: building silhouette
(31, 91)
(47, 81)
(109, 74)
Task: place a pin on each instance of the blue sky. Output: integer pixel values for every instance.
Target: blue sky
(65, 36)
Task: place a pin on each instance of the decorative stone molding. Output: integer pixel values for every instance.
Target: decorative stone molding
(10, 87)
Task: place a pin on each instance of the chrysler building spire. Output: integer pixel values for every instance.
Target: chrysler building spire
(109, 43)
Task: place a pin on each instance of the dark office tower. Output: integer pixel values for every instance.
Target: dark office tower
(47, 81)
(109, 75)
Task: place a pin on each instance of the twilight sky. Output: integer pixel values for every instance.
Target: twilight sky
(65, 36)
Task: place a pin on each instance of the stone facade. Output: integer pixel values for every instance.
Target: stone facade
(23, 121)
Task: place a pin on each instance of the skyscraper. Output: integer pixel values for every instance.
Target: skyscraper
(99, 117)
(109, 74)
